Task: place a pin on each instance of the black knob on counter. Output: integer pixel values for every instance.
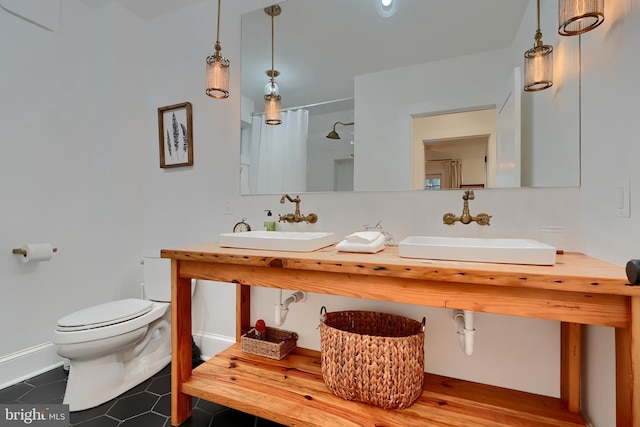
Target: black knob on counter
(633, 271)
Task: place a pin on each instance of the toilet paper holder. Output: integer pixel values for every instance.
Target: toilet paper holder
(20, 251)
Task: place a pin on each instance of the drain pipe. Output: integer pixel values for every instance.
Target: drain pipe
(466, 331)
(282, 308)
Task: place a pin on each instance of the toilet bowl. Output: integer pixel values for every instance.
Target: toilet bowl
(115, 346)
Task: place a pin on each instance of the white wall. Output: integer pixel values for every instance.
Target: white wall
(68, 158)
(100, 196)
(610, 149)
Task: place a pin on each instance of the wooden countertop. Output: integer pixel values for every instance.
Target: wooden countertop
(573, 272)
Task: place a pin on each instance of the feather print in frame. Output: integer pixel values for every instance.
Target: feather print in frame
(175, 150)
(185, 139)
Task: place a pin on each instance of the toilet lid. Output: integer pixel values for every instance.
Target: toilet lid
(104, 314)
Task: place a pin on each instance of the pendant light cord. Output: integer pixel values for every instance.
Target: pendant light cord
(273, 48)
(538, 36)
(218, 30)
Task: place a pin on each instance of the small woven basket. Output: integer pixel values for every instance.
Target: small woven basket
(371, 357)
(277, 345)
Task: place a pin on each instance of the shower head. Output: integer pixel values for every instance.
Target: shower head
(333, 134)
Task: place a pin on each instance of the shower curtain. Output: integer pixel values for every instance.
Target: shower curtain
(453, 174)
(278, 154)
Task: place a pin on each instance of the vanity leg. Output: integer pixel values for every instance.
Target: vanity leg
(243, 310)
(628, 370)
(181, 363)
(571, 364)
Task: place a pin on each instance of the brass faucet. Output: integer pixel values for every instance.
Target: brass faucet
(466, 218)
(297, 216)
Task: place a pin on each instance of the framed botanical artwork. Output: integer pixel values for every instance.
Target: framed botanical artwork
(175, 127)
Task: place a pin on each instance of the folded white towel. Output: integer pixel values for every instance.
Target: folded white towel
(363, 237)
(369, 248)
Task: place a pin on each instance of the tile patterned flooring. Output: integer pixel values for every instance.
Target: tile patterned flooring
(146, 405)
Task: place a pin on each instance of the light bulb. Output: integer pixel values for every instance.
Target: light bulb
(271, 88)
(386, 8)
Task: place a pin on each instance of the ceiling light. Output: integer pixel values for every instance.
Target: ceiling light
(386, 8)
(272, 105)
(579, 16)
(538, 63)
(218, 70)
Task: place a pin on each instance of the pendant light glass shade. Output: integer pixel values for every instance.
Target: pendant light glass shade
(579, 16)
(538, 68)
(217, 76)
(272, 87)
(272, 109)
(538, 63)
(218, 70)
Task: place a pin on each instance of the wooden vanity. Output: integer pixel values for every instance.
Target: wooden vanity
(577, 290)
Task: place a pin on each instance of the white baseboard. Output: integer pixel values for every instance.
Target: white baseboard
(211, 344)
(587, 420)
(27, 363)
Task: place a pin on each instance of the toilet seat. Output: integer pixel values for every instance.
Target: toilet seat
(62, 336)
(106, 314)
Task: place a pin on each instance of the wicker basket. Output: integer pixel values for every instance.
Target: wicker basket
(278, 344)
(371, 357)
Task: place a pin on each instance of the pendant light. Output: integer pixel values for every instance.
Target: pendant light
(538, 63)
(218, 70)
(272, 105)
(579, 16)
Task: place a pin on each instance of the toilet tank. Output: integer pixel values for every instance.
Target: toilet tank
(157, 276)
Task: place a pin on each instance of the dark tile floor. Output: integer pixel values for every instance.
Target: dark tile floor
(146, 405)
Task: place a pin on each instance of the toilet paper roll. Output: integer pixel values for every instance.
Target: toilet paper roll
(37, 252)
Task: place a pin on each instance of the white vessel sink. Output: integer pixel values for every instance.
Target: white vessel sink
(294, 241)
(506, 251)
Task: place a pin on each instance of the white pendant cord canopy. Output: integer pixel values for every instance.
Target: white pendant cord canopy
(218, 69)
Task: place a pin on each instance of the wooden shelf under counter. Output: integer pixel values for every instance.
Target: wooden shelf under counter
(577, 290)
(291, 391)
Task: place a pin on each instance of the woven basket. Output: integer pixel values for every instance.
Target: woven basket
(371, 357)
(278, 344)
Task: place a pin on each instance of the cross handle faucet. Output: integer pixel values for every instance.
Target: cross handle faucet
(466, 217)
(297, 216)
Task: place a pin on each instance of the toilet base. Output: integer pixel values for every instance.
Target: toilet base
(96, 381)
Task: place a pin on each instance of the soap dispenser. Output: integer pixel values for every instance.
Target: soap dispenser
(269, 223)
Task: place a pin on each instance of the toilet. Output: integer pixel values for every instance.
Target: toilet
(115, 346)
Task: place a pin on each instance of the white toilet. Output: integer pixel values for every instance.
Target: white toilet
(113, 347)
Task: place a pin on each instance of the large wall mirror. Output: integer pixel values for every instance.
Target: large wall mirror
(416, 92)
